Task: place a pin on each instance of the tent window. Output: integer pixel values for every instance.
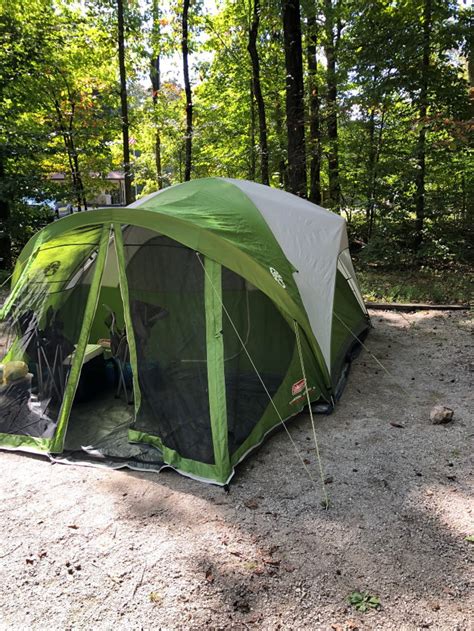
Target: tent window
(40, 333)
(270, 343)
(166, 289)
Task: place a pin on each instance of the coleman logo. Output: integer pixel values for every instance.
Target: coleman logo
(277, 276)
(298, 387)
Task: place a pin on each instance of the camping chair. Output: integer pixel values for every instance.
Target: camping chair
(48, 347)
(120, 353)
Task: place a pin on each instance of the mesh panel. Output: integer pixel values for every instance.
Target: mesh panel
(166, 287)
(40, 333)
(270, 343)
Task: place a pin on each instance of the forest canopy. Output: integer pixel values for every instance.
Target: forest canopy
(362, 107)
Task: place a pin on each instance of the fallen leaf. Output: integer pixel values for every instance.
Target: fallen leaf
(209, 575)
(252, 503)
(271, 561)
(155, 598)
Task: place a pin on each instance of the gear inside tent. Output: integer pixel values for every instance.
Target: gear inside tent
(164, 334)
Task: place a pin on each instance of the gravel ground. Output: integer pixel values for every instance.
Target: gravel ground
(85, 548)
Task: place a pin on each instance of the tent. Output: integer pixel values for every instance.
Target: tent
(178, 331)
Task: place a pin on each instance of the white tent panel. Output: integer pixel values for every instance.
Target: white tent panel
(346, 268)
(310, 237)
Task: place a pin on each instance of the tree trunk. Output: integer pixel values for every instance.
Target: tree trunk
(257, 90)
(124, 105)
(374, 157)
(295, 114)
(67, 132)
(80, 186)
(253, 165)
(281, 141)
(314, 115)
(187, 90)
(331, 98)
(155, 75)
(5, 241)
(370, 172)
(423, 109)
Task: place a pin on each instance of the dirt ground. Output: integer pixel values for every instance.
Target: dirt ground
(85, 548)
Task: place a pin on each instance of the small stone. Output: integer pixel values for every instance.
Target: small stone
(441, 414)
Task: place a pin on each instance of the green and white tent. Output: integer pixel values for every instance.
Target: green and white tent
(177, 331)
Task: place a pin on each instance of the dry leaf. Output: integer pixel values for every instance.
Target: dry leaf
(209, 575)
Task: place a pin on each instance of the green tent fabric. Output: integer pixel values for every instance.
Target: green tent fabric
(185, 304)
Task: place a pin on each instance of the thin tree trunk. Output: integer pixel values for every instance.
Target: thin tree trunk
(5, 240)
(295, 114)
(124, 104)
(257, 90)
(314, 114)
(188, 93)
(374, 158)
(370, 172)
(75, 157)
(253, 163)
(423, 109)
(71, 153)
(331, 85)
(80, 185)
(156, 82)
(463, 197)
(281, 142)
(156, 87)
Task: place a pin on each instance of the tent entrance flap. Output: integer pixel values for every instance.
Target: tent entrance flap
(44, 333)
(102, 410)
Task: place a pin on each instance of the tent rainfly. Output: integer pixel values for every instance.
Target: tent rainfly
(178, 331)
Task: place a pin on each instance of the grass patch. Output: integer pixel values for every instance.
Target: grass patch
(363, 601)
(424, 285)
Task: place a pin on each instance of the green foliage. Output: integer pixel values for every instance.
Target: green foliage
(430, 285)
(59, 103)
(25, 221)
(363, 601)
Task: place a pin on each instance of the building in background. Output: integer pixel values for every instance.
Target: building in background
(109, 191)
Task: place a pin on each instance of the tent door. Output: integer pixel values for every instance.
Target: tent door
(49, 322)
(164, 285)
(100, 418)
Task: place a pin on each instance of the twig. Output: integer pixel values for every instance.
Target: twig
(138, 583)
(2, 556)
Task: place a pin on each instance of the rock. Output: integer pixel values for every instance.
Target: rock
(440, 414)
